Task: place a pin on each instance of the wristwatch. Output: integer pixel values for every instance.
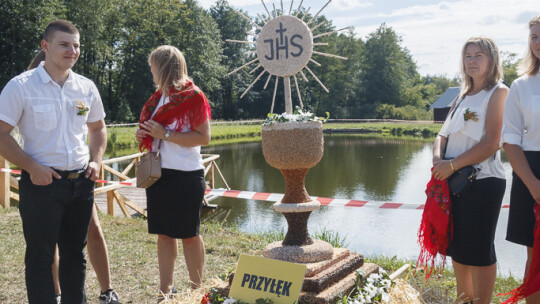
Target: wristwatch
(167, 134)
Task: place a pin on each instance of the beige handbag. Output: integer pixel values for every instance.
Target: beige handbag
(149, 168)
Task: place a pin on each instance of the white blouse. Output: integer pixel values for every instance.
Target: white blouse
(175, 156)
(522, 113)
(464, 133)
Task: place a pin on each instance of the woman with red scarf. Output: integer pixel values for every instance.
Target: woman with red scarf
(521, 141)
(470, 136)
(175, 121)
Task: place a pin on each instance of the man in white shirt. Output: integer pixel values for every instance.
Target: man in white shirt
(55, 110)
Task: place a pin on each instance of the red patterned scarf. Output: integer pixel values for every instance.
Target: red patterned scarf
(187, 107)
(531, 284)
(435, 230)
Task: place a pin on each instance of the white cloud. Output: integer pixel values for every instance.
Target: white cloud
(350, 5)
(435, 33)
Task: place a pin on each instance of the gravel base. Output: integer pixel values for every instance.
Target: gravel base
(316, 252)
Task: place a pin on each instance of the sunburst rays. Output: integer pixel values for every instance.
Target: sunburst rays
(272, 40)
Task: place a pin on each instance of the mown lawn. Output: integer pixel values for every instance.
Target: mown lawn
(134, 271)
(226, 133)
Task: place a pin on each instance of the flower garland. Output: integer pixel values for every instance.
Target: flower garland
(298, 115)
(373, 289)
(213, 297)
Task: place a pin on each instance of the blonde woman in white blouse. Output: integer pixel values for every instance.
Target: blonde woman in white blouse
(521, 141)
(471, 136)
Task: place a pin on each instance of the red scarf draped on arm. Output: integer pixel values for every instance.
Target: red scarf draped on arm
(187, 107)
(435, 230)
(531, 284)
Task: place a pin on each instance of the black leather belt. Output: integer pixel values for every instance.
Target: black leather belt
(72, 174)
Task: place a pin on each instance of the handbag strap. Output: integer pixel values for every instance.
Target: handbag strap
(452, 116)
(158, 147)
(454, 111)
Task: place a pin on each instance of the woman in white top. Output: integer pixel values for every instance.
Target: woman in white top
(175, 120)
(470, 136)
(521, 141)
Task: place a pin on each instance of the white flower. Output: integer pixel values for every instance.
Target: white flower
(229, 301)
(386, 297)
(372, 290)
(386, 283)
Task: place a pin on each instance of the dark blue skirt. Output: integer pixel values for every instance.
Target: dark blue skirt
(175, 202)
(475, 217)
(521, 219)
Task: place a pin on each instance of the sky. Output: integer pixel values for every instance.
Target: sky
(433, 31)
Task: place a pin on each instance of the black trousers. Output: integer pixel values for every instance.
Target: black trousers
(57, 213)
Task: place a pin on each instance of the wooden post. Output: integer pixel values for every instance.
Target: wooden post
(4, 184)
(110, 202)
(212, 175)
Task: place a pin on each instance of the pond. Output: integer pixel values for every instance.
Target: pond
(353, 167)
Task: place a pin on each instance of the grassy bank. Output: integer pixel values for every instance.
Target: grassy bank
(132, 252)
(226, 133)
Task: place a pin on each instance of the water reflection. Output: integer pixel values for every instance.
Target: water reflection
(353, 167)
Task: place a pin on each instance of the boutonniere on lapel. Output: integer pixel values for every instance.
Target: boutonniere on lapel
(81, 108)
(470, 115)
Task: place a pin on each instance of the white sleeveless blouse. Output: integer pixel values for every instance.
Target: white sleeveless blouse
(464, 134)
(175, 156)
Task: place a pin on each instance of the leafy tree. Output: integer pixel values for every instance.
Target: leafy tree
(386, 66)
(231, 26)
(22, 23)
(510, 65)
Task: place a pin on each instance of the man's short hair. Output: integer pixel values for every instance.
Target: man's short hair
(59, 25)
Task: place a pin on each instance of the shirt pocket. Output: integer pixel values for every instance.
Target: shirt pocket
(80, 113)
(44, 116)
(474, 122)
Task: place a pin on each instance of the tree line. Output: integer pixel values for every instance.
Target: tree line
(379, 80)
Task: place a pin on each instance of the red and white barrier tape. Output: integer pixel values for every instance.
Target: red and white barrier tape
(276, 197)
(10, 171)
(325, 201)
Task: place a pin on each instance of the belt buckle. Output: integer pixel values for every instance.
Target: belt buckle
(73, 175)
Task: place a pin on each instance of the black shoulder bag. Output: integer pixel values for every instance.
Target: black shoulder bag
(461, 181)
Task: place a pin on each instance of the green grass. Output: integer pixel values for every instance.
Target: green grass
(440, 288)
(424, 130)
(124, 137)
(227, 133)
(134, 270)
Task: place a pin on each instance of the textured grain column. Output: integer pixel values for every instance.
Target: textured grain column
(288, 98)
(297, 234)
(295, 191)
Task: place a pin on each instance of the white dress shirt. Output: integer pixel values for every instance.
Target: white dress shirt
(522, 113)
(464, 134)
(53, 131)
(175, 156)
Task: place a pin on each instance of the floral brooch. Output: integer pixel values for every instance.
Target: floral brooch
(81, 108)
(470, 115)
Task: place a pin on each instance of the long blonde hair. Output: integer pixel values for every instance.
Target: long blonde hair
(495, 70)
(40, 56)
(530, 63)
(170, 65)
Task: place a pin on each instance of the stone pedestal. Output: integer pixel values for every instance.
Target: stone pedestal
(327, 280)
(294, 148)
